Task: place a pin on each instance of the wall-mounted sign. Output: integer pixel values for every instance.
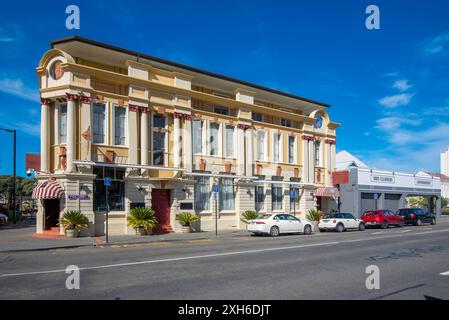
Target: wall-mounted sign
(382, 179)
(423, 182)
(340, 177)
(78, 197)
(186, 206)
(56, 71)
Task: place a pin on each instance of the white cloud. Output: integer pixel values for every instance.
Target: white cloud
(437, 45)
(402, 85)
(11, 33)
(391, 123)
(397, 100)
(16, 87)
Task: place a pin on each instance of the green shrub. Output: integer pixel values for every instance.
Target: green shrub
(445, 211)
(250, 215)
(74, 220)
(186, 218)
(142, 218)
(314, 215)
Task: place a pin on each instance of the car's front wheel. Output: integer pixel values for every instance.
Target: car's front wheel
(274, 231)
(384, 225)
(340, 227)
(362, 227)
(401, 224)
(307, 229)
(418, 222)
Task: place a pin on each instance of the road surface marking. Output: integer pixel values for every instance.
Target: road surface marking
(404, 231)
(379, 232)
(445, 273)
(216, 255)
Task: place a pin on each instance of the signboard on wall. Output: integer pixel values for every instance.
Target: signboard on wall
(423, 182)
(340, 177)
(378, 178)
(33, 161)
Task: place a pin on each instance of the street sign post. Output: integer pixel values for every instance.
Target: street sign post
(292, 199)
(107, 183)
(376, 197)
(216, 209)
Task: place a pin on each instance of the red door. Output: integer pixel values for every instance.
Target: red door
(160, 202)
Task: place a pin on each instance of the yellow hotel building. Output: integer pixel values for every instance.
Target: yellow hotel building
(170, 137)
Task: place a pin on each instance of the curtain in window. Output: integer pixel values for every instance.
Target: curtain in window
(202, 193)
(229, 134)
(213, 138)
(276, 141)
(291, 149)
(120, 115)
(99, 119)
(197, 128)
(260, 198)
(63, 124)
(276, 197)
(158, 148)
(261, 145)
(226, 194)
(317, 153)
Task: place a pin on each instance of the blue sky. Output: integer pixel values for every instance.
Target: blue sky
(389, 88)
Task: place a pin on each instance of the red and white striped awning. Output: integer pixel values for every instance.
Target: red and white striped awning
(327, 192)
(49, 189)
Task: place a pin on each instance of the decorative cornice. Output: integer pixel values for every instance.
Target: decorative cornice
(46, 101)
(144, 109)
(308, 138)
(186, 117)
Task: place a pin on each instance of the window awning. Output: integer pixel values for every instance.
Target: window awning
(327, 192)
(49, 189)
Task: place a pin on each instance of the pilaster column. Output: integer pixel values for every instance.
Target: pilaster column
(71, 143)
(240, 151)
(311, 161)
(45, 134)
(305, 160)
(177, 139)
(187, 143)
(85, 143)
(144, 136)
(249, 152)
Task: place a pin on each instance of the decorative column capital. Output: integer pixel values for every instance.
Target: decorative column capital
(244, 127)
(46, 101)
(86, 99)
(308, 138)
(144, 110)
(133, 107)
(72, 97)
(184, 116)
(331, 142)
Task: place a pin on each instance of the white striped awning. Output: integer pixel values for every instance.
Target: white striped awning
(327, 192)
(49, 189)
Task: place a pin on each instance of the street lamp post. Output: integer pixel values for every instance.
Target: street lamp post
(14, 173)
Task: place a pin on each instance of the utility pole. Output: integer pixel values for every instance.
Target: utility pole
(14, 132)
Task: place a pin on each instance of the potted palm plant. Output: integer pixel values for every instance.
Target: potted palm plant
(314, 216)
(186, 219)
(249, 215)
(73, 221)
(142, 220)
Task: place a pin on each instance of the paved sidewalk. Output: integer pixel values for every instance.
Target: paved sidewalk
(19, 238)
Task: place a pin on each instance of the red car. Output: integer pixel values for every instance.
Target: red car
(382, 219)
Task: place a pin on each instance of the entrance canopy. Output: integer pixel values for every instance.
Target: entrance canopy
(49, 189)
(327, 192)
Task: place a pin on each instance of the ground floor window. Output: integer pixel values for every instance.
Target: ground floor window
(227, 196)
(202, 194)
(276, 197)
(260, 198)
(294, 199)
(116, 191)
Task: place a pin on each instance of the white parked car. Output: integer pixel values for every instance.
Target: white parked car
(340, 222)
(276, 224)
(3, 219)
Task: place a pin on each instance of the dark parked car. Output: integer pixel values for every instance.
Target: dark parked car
(382, 219)
(417, 216)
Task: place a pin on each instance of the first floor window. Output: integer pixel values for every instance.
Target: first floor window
(260, 198)
(317, 151)
(213, 138)
(294, 199)
(63, 124)
(276, 197)
(120, 120)
(229, 141)
(257, 117)
(158, 148)
(226, 196)
(99, 123)
(197, 136)
(221, 110)
(261, 145)
(291, 149)
(286, 123)
(116, 191)
(276, 147)
(202, 194)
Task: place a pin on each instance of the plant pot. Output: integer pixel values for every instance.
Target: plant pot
(142, 231)
(186, 229)
(228, 167)
(202, 165)
(72, 233)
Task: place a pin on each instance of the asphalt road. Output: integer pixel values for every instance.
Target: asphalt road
(413, 263)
